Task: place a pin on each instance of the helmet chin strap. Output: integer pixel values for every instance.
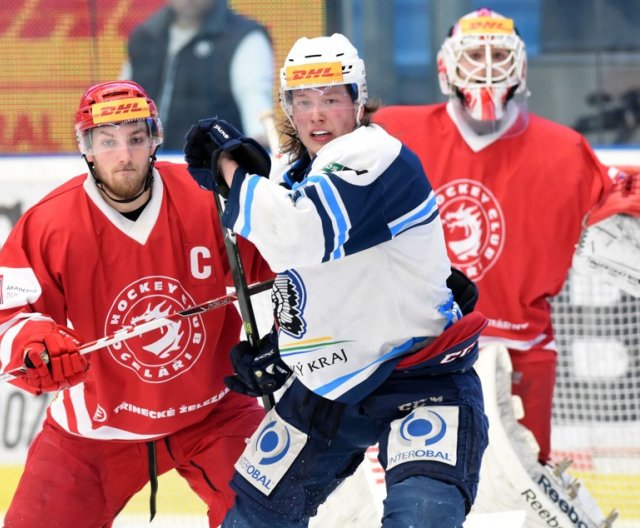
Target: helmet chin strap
(147, 182)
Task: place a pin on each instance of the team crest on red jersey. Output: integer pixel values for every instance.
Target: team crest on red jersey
(473, 224)
(163, 354)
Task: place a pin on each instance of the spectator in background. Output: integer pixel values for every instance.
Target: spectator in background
(199, 57)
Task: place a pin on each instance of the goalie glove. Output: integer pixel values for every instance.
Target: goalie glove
(624, 198)
(53, 360)
(206, 140)
(609, 246)
(257, 371)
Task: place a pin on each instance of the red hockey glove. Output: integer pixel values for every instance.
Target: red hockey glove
(54, 362)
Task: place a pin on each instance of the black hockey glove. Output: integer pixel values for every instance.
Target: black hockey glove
(258, 372)
(208, 139)
(465, 291)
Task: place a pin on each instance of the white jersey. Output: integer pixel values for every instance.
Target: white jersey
(357, 241)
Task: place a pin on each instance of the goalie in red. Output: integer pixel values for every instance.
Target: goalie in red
(131, 241)
(514, 190)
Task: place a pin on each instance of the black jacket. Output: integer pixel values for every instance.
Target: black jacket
(200, 73)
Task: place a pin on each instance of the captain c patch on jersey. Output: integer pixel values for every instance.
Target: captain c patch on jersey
(163, 354)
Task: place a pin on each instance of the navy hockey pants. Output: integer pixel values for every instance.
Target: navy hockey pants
(431, 431)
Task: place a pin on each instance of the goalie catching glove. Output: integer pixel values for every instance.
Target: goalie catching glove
(257, 371)
(208, 139)
(609, 246)
(52, 359)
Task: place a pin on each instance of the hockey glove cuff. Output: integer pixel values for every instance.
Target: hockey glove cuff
(257, 371)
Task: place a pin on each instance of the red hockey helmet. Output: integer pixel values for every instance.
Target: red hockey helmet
(114, 103)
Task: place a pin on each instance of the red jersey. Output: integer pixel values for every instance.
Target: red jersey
(74, 259)
(512, 212)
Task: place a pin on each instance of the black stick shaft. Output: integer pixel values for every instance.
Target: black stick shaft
(242, 292)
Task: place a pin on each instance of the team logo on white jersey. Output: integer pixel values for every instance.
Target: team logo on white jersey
(289, 297)
(162, 354)
(473, 224)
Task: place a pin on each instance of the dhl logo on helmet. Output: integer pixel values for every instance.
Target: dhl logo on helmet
(310, 74)
(484, 25)
(122, 110)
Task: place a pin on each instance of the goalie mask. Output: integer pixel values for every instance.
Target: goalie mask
(482, 64)
(321, 62)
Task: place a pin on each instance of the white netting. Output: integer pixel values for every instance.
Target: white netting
(596, 413)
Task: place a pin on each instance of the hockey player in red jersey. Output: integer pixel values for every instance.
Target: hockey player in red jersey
(513, 189)
(130, 241)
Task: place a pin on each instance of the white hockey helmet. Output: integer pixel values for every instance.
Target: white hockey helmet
(320, 62)
(484, 85)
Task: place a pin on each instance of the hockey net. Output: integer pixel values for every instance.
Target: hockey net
(596, 412)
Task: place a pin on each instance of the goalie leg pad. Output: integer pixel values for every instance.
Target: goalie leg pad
(510, 477)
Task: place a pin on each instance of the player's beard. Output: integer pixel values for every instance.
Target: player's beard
(124, 185)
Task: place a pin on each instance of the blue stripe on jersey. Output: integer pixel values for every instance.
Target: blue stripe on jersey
(251, 189)
(336, 211)
(356, 217)
(393, 353)
(423, 214)
(327, 225)
(450, 310)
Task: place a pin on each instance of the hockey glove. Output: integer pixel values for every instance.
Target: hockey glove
(257, 372)
(53, 360)
(465, 291)
(210, 137)
(608, 248)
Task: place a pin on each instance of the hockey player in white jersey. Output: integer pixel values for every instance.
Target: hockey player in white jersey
(369, 316)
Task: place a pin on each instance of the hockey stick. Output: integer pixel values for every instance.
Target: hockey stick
(242, 290)
(268, 121)
(129, 331)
